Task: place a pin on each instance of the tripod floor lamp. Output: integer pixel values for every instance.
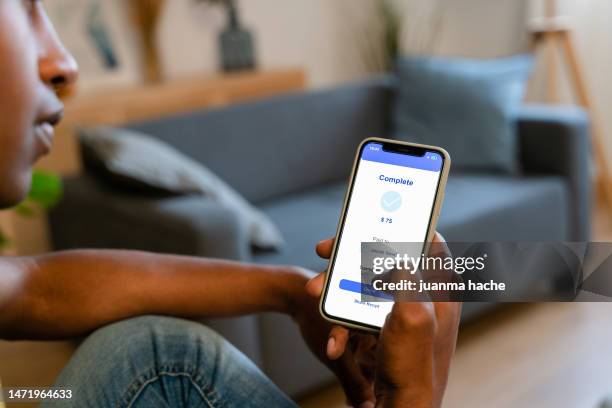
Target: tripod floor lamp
(552, 31)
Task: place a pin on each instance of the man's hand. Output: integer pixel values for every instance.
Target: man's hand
(408, 364)
(414, 354)
(330, 344)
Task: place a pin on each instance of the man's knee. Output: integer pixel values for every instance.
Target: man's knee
(167, 343)
(115, 361)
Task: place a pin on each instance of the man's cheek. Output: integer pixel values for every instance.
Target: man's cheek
(17, 179)
(19, 79)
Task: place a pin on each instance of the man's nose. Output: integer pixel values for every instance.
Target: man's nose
(59, 70)
(57, 66)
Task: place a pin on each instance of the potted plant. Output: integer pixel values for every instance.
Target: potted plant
(236, 43)
(45, 193)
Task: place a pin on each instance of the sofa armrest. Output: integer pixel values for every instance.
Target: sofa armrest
(556, 140)
(93, 216)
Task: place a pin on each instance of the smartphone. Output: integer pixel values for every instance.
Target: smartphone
(395, 194)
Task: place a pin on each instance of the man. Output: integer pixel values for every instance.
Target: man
(137, 358)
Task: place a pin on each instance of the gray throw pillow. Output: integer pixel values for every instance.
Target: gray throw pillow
(137, 159)
(465, 106)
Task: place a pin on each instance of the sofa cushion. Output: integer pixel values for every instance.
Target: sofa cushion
(464, 106)
(128, 158)
(496, 208)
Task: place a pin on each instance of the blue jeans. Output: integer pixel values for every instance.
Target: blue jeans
(164, 362)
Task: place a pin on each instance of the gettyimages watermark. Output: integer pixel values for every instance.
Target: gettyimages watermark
(484, 272)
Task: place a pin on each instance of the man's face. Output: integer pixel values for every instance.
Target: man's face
(33, 66)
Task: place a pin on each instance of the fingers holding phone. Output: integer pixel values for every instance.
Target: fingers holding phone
(408, 363)
(414, 354)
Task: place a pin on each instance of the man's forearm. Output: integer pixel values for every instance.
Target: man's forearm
(72, 293)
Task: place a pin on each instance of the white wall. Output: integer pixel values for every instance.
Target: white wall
(483, 28)
(326, 36)
(313, 34)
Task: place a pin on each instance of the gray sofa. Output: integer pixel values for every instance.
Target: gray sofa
(291, 157)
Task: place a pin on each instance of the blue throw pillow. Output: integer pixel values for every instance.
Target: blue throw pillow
(465, 106)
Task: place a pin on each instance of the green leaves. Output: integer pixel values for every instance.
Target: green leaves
(45, 192)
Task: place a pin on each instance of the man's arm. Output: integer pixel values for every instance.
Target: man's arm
(72, 293)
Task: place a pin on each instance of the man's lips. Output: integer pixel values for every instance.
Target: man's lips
(44, 131)
(44, 135)
(53, 119)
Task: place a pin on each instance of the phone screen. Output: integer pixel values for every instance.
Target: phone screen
(391, 199)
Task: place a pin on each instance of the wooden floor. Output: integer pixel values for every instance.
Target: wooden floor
(547, 355)
(543, 355)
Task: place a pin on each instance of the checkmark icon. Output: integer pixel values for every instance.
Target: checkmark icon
(391, 201)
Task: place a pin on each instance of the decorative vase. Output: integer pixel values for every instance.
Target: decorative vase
(146, 14)
(236, 43)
